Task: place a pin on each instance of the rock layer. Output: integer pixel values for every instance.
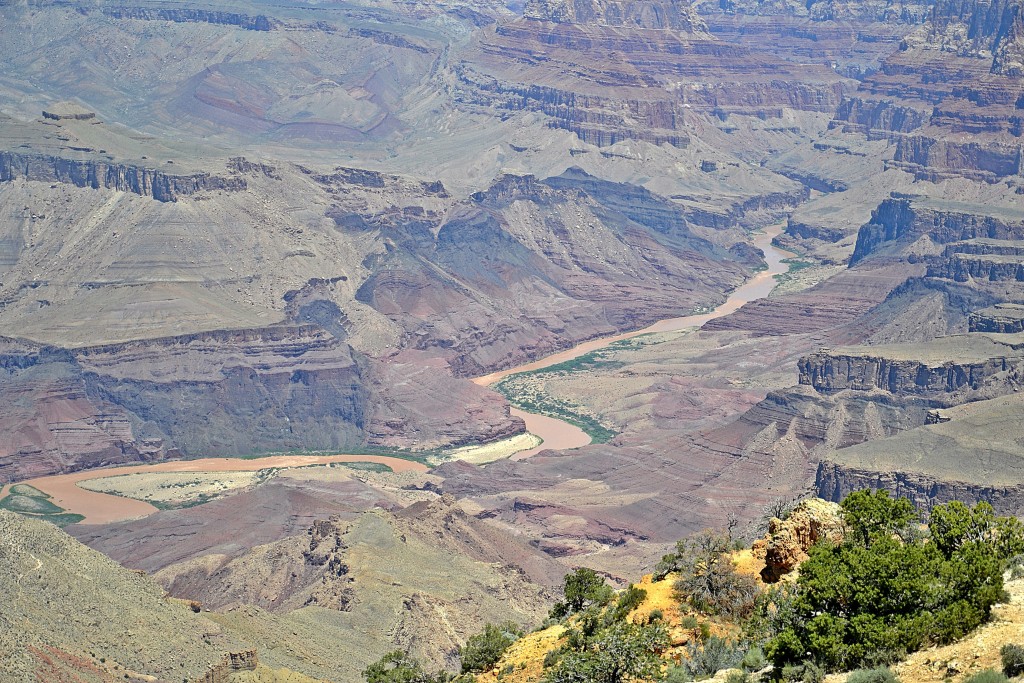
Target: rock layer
(959, 75)
(147, 182)
(260, 390)
(665, 68)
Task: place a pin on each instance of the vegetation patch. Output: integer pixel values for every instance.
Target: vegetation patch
(175, 490)
(30, 505)
(423, 457)
(526, 392)
(28, 490)
(31, 502)
(363, 466)
(484, 453)
(890, 586)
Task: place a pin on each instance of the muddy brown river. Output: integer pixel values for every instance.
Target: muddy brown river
(102, 508)
(558, 434)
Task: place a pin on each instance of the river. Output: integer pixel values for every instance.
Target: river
(101, 508)
(558, 434)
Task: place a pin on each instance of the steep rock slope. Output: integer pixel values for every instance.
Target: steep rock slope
(229, 392)
(531, 266)
(70, 611)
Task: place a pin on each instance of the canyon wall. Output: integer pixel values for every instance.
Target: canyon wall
(147, 182)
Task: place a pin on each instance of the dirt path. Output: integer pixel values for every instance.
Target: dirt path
(102, 508)
(560, 435)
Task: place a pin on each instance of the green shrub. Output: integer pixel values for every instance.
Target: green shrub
(483, 650)
(678, 674)
(1013, 659)
(987, 676)
(629, 600)
(715, 654)
(582, 588)
(655, 615)
(737, 677)
(886, 591)
(879, 674)
(707, 579)
(753, 660)
(667, 565)
(808, 672)
(398, 667)
(618, 653)
(551, 657)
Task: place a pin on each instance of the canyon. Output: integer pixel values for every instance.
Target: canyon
(738, 253)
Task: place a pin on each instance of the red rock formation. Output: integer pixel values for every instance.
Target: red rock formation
(963, 77)
(292, 387)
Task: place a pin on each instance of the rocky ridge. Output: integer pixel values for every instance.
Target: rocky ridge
(110, 404)
(157, 185)
(423, 577)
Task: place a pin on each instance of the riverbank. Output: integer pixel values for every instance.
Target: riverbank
(103, 508)
(559, 434)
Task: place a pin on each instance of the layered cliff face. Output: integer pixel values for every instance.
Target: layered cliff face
(913, 223)
(860, 414)
(852, 37)
(664, 67)
(185, 15)
(948, 371)
(1007, 318)
(948, 400)
(958, 74)
(237, 392)
(969, 452)
(653, 14)
(978, 29)
(147, 182)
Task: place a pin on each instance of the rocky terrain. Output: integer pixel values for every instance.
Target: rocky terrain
(668, 71)
(122, 628)
(958, 74)
(376, 569)
(257, 228)
(435, 285)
